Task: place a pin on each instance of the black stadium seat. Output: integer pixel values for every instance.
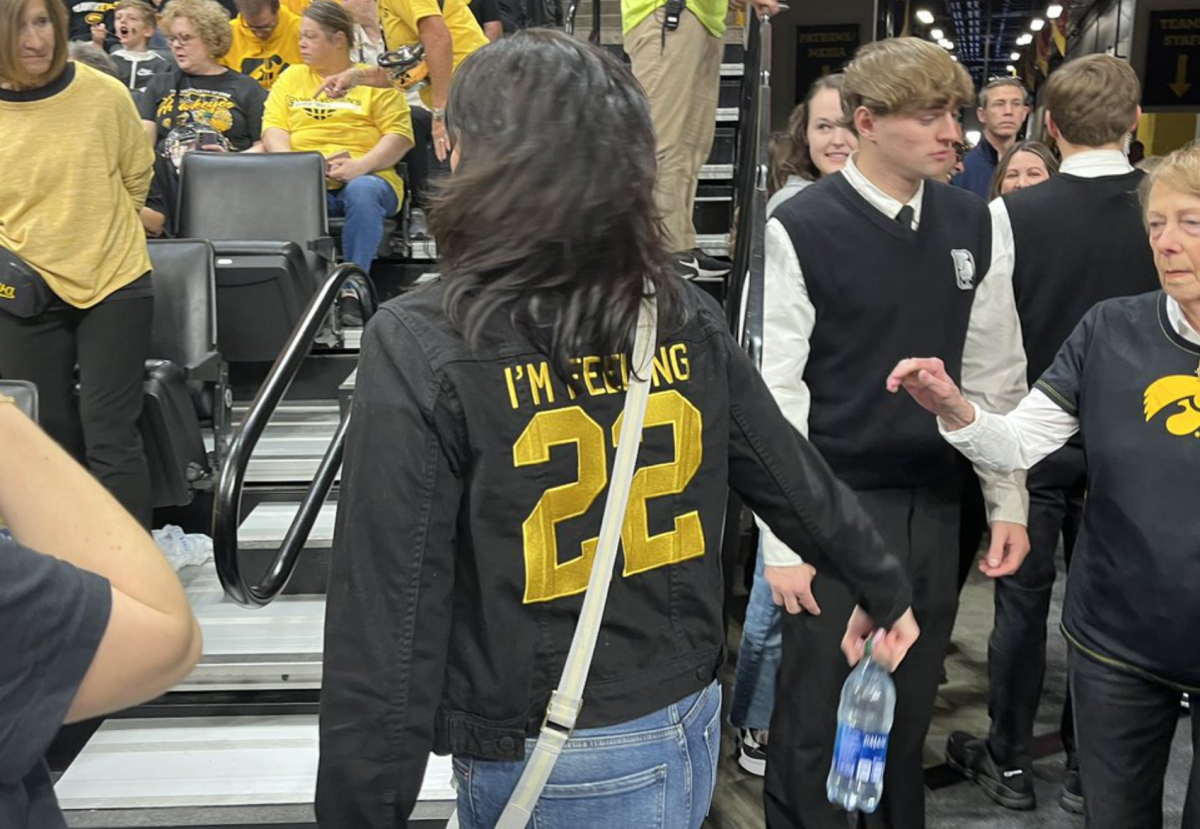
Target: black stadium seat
(25, 393)
(185, 377)
(266, 218)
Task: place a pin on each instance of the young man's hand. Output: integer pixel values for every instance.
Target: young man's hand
(791, 588)
(889, 647)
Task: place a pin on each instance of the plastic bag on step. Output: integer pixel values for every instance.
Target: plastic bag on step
(183, 549)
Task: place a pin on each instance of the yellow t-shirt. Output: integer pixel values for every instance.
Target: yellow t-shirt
(298, 6)
(77, 166)
(265, 60)
(399, 18)
(354, 123)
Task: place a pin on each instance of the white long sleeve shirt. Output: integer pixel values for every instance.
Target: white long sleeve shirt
(993, 366)
(1036, 428)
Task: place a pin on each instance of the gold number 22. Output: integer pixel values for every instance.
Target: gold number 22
(546, 578)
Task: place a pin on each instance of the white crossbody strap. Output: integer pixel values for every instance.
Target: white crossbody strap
(567, 699)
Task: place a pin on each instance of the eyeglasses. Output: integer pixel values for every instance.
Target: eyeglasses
(180, 40)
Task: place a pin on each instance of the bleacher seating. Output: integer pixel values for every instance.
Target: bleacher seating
(266, 218)
(184, 387)
(24, 393)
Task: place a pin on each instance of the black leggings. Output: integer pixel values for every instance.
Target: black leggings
(109, 343)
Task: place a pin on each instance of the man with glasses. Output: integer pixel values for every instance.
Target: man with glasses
(1003, 108)
(266, 40)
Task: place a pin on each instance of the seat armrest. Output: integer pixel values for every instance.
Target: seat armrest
(255, 247)
(324, 247)
(206, 369)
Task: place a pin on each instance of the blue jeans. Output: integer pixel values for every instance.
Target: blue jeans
(655, 772)
(758, 656)
(365, 202)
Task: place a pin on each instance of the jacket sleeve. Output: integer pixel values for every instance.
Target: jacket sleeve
(391, 580)
(786, 482)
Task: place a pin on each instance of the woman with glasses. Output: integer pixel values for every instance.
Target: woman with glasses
(202, 92)
(76, 299)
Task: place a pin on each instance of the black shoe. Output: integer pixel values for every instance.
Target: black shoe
(1071, 798)
(350, 311)
(698, 265)
(752, 755)
(970, 757)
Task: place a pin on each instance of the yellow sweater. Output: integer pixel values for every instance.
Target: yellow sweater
(77, 166)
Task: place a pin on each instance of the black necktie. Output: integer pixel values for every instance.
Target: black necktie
(905, 216)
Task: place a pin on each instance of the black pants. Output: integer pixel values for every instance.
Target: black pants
(1125, 726)
(920, 526)
(972, 520)
(109, 343)
(1017, 647)
(424, 169)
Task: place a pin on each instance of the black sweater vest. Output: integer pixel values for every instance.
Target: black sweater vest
(1078, 241)
(883, 292)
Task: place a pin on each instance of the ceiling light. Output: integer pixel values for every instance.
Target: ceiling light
(946, 44)
(1015, 56)
(1011, 69)
(937, 34)
(973, 137)
(925, 16)
(1025, 39)
(1036, 24)
(1054, 11)
(954, 58)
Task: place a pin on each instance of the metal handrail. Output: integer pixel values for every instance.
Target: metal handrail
(228, 496)
(746, 276)
(573, 10)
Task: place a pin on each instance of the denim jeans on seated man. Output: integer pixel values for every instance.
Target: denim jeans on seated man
(655, 772)
(758, 657)
(365, 202)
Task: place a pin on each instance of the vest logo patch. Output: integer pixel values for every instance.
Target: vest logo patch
(1181, 390)
(964, 268)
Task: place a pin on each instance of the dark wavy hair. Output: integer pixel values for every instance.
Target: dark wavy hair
(549, 215)
(788, 151)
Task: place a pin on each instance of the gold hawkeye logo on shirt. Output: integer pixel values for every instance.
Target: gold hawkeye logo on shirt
(1182, 390)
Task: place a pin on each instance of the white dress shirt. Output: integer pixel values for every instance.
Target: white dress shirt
(993, 366)
(1036, 428)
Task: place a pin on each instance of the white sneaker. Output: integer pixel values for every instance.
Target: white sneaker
(752, 755)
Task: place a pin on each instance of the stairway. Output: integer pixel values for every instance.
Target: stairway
(235, 744)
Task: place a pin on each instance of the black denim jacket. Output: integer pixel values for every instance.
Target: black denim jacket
(471, 494)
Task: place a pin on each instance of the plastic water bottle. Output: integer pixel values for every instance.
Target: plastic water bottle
(864, 722)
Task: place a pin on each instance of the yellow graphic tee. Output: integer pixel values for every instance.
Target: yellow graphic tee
(265, 60)
(399, 18)
(354, 123)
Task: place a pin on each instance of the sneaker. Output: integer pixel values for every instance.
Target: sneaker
(698, 265)
(970, 757)
(752, 755)
(1071, 798)
(418, 224)
(350, 311)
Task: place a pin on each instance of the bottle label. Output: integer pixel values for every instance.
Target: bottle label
(860, 756)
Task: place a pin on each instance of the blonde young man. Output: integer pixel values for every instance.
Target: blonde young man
(266, 40)
(1003, 108)
(866, 264)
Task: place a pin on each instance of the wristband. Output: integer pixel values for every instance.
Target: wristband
(438, 113)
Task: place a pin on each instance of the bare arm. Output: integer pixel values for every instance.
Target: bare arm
(390, 149)
(276, 140)
(439, 55)
(493, 30)
(152, 640)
